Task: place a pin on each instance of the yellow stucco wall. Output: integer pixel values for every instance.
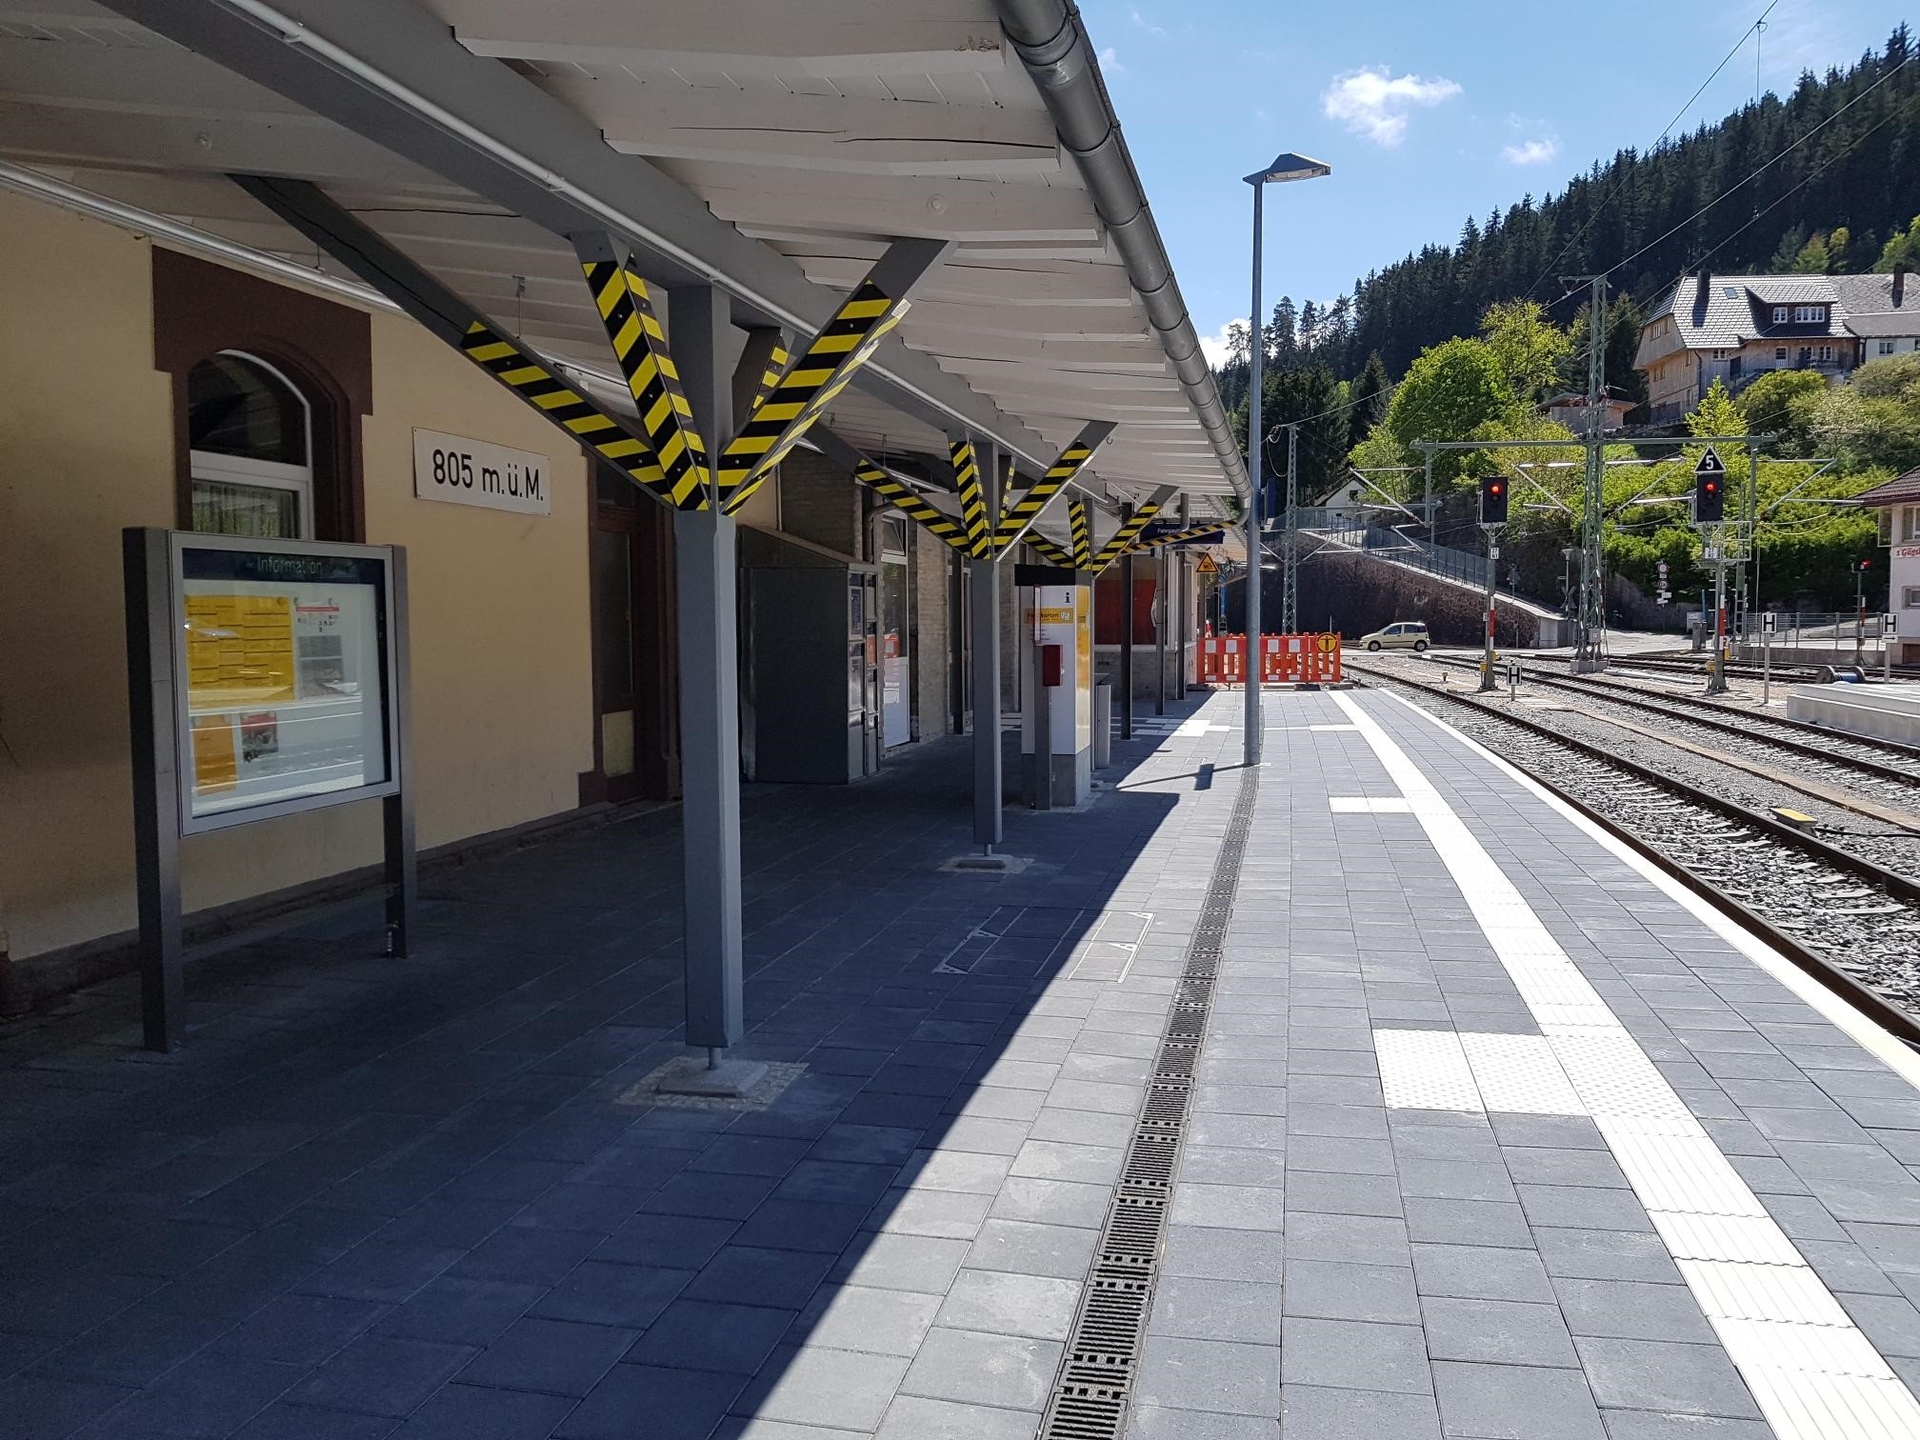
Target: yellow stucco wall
(501, 638)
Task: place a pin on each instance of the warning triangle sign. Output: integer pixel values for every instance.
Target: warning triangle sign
(1710, 464)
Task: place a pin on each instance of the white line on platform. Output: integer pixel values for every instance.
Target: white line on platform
(1814, 1378)
(1870, 1035)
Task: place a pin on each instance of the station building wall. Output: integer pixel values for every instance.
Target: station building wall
(90, 443)
(100, 327)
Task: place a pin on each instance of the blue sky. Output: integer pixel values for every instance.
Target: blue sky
(1427, 113)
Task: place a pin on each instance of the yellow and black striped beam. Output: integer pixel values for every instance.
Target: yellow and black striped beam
(902, 497)
(915, 506)
(973, 500)
(1177, 537)
(1130, 529)
(824, 368)
(567, 408)
(1020, 513)
(640, 346)
(1080, 530)
(770, 377)
(1049, 551)
(802, 393)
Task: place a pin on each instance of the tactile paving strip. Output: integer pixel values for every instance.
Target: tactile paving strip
(1813, 1373)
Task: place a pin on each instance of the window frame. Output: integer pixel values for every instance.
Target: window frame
(218, 468)
(1781, 314)
(323, 349)
(1910, 598)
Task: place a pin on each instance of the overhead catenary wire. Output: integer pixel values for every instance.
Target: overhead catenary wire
(1761, 169)
(1616, 191)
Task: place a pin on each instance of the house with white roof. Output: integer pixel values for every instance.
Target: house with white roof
(1735, 328)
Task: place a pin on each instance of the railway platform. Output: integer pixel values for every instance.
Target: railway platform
(1376, 1094)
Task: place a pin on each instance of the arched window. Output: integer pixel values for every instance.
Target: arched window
(250, 446)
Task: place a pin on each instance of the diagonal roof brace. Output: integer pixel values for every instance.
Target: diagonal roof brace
(898, 494)
(392, 71)
(1023, 510)
(449, 318)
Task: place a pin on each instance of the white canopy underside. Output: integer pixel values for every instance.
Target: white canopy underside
(823, 129)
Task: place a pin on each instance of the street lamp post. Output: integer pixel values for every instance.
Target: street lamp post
(1285, 167)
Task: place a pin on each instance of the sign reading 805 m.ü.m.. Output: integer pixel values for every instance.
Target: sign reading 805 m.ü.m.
(473, 472)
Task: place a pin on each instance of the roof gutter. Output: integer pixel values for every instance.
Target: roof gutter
(1052, 43)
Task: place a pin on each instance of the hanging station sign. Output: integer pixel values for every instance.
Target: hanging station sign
(472, 472)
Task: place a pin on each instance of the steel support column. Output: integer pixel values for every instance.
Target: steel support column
(705, 580)
(1162, 616)
(1183, 623)
(985, 621)
(1126, 631)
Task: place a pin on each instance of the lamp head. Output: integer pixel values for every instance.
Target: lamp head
(1289, 166)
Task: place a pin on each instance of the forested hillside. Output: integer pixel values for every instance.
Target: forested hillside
(1840, 154)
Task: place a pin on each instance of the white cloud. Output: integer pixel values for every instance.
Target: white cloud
(1375, 102)
(1141, 22)
(1110, 61)
(1532, 152)
(1218, 347)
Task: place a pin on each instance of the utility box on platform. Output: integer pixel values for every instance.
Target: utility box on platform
(1056, 719)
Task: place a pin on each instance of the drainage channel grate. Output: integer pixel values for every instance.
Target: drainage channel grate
(1095, 1383)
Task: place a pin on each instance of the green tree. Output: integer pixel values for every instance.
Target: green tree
(1896, 377)
(1528, 347)
(1790, 243)
(1449, 393)
(1814, 257)
(1369, 396)
(1864, 432)
(1839, 250)
(1767, 406)
(1902, 249)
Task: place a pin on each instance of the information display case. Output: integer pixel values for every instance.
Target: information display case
(283, 677)
(267, 678)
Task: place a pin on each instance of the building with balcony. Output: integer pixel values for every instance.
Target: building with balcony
(1735, 328)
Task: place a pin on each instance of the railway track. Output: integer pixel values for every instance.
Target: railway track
(1884, 772)
(1749, 669)
(1852, 923)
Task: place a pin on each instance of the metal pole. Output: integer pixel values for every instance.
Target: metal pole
(1487, 680)
(1289, 597)
(1593, 599)
(1042, 711)
(985, 620)
(1766, 663)
(705, 584)
(1250, 752)
(1163, 615)
(156, 788)
(1717, 666)
(1426, 503)
(401, 864)
(1126, 635)
(1860, 614)
(1182, 623)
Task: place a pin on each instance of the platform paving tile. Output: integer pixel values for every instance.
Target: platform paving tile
(430, 1201)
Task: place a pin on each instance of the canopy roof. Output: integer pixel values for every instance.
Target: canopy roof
(770, 148)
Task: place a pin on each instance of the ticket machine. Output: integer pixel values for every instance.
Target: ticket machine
(1056, 722)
